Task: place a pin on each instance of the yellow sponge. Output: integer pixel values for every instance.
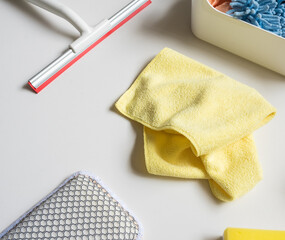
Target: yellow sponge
(253, 234)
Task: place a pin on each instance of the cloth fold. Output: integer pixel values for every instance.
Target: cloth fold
(198, 123)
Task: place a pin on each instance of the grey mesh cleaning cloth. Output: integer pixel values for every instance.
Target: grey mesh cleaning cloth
(80, 208)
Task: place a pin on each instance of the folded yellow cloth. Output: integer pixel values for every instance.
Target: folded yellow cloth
(197, 123)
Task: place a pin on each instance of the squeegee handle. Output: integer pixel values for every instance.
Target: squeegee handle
(65, 12)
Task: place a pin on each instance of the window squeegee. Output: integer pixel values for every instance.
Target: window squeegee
(89, 36)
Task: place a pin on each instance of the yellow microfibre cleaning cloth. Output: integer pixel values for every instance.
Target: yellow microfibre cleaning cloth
(197, 123)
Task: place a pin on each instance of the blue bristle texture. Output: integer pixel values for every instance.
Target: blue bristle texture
(266, 14)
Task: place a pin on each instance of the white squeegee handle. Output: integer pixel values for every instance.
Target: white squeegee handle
(61, 10)
(72, 17)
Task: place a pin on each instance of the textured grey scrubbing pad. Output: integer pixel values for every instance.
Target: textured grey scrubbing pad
(80, 208)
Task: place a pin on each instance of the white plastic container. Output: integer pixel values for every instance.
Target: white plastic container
(238, 37)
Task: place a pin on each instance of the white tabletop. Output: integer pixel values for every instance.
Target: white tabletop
(72, 125)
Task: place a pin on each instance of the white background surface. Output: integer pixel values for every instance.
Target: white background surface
(72, 125)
